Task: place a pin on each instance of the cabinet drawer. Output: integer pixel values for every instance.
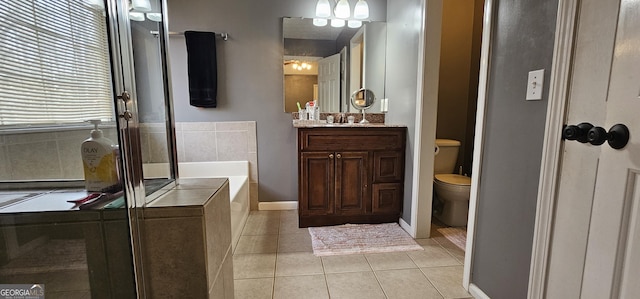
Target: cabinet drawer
(349, 139)
(388, 166)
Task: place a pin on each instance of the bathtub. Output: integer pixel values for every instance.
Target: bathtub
(238, 174)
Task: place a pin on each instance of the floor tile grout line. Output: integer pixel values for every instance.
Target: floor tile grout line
(432, 283)
(449, 252)
(380, 284)
(275, 265)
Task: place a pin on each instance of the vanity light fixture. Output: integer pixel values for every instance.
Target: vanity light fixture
(141, 5)
(343, 9)
(337, 23)
(361, 10)
(354, 24)
(320, 22)
(323, 9)
(342, 12)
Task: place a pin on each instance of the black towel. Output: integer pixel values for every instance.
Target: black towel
(202, 68)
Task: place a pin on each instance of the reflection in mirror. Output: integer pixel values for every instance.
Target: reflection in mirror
(342, 60)
(152, 97)
(363, 99)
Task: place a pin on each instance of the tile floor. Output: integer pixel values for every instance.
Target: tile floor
(274, 259)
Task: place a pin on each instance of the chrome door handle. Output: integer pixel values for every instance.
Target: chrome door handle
(125, 97)
(126, 115)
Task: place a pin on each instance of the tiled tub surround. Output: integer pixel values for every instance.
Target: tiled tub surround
(45, 155)
(187, 242)
(56, 155)
(221, 141)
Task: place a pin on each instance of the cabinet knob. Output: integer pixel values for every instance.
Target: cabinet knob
(339, 156)
(330, 156)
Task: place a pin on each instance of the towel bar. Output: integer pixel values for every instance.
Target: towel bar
(223, 35)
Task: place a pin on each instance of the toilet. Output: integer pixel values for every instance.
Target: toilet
(452, 189)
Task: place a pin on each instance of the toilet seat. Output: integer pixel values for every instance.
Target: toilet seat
(453, 179)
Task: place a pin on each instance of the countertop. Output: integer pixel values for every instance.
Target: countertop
(323, 124)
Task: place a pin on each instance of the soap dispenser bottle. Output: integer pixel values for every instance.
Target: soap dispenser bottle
(99, 161)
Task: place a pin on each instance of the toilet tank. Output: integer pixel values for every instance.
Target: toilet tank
(447, 156)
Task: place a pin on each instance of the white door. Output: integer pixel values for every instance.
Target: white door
(595, 244)
(329, 83)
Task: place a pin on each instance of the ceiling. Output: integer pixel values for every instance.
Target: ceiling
(304, 29)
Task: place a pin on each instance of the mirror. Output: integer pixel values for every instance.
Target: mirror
(328, 64)
(362, 99)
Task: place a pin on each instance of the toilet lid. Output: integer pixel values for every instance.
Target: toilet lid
(454, 179)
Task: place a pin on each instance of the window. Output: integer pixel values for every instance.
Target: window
(54, 63)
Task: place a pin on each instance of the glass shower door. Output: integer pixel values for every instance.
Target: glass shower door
(62, 63)
(56, 73)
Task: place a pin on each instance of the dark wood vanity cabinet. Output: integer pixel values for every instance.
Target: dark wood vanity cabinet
(350, 175)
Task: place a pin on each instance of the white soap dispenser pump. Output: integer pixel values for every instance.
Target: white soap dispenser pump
(99, 161)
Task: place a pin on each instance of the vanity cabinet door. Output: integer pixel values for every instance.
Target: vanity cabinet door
(386, 198)
(317, 183)
(352, 183)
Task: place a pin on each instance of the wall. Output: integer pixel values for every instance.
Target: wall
(523, 39)
(250, 83)
(298, 88)
(45, 155)
(404, 22)
(454, 97)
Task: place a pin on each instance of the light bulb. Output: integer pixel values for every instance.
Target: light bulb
(361, 10)
(343, 10)
(337, 23)
(304, 65)
(320, 22)
(354, 24)
(136, 16)
(323, 9)
(154, 16)
(308, 66)
(141, 5)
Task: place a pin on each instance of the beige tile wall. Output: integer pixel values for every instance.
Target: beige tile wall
(47, 155)
(56, 155)
(221, 141)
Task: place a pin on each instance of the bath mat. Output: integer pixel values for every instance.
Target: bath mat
(360, 238)
(53, 256)
(457, 236)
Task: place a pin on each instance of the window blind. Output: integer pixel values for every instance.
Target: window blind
(54, 63)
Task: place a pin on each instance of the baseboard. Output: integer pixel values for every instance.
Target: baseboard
(408, 228)
(277, 205)
(477, 293)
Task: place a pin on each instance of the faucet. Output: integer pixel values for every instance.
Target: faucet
(341, 118)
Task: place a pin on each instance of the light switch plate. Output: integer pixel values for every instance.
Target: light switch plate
(535, 85)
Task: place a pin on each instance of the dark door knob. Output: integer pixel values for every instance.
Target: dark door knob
(617, 137)
(578, 132)
(597, 135)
